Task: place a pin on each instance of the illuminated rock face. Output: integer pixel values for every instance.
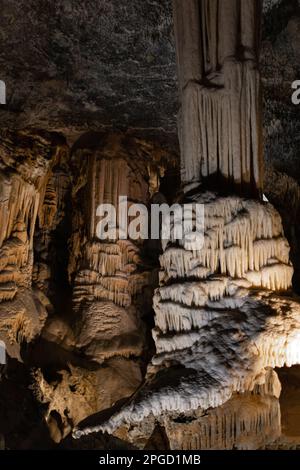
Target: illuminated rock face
(26, 161)
(217, 45)
(222, 325)
(242, 239)
(248, 421)
(109, 276)
(112, 289)
(223, 316)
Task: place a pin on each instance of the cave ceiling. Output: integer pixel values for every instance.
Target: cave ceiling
(83, 65)
(73, 66)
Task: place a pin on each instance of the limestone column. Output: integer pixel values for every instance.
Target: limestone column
(220, 131)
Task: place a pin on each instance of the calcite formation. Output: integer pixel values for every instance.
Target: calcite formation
(221, 326)
(217, 46)
(112, 286)
(110, 274)
(76, 311)
(80, 392)
(246, 422)
(64, 290)
(225, 316)
(26, 161)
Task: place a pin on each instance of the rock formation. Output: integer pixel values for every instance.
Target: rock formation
(110, 275)
(224, 317)
(26, 167)
(77, 311)
(221, 327)
(112, 287)
(220, 131)
(74, 308)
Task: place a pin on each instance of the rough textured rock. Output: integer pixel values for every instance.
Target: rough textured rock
(221, 323)
(112, 64)
(248, 421)
(283, 191)
(78, 311)
(26, 165)
(217, 45)
(102, 338)
(110, 277)
(280, 63)
(89, 65)
(79, 305)
(78, 393)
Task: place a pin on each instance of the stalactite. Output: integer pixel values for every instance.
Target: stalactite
(110, 278)
(219, 83)
(241, 237)
(24, 174)
(221, 321)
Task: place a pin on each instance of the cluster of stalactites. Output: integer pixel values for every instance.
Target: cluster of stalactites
(112, 269)
(246, 423)
(18, 212)
(217, 45)
(19, 204)
(110, 179)
(111, 275)
(241, 239)
(51, 196)
(219, 130)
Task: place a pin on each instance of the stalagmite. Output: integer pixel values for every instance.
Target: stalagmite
(109, 275)
(224, 316)
(98, 323)
(24, 192)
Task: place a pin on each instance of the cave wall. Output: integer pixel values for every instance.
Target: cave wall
(106, 66)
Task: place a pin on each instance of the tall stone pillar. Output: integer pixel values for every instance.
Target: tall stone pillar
(220, 131)
(221, 323)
